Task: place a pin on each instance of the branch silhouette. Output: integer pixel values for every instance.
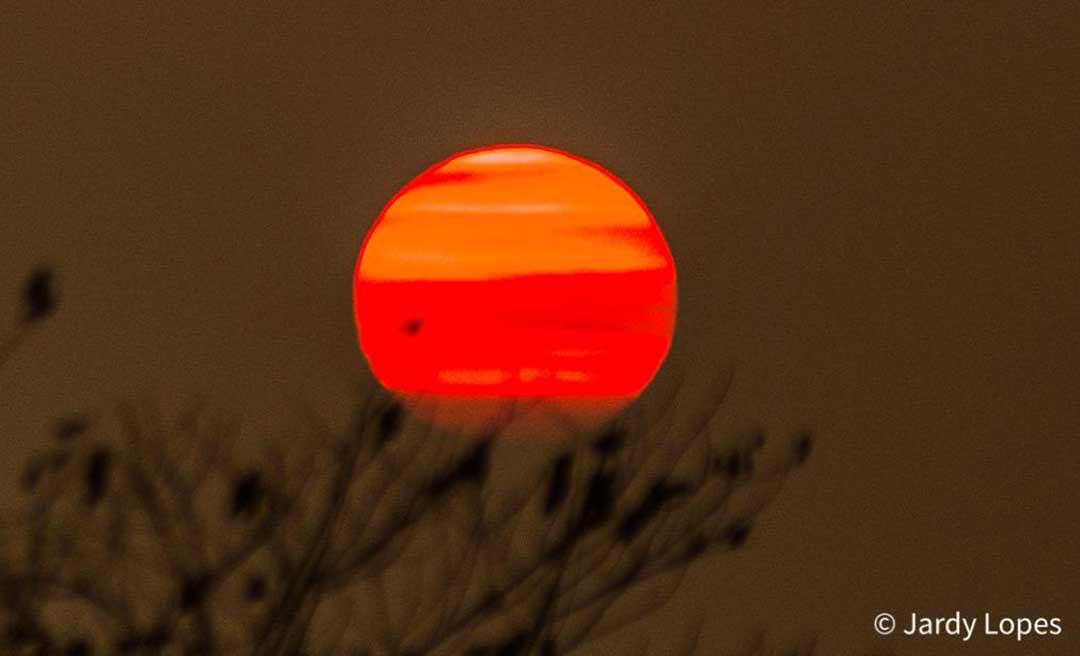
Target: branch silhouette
(147, 530)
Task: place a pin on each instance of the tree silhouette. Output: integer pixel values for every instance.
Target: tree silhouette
(148, 530)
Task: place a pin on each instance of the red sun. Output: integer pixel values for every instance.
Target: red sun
(514, 277)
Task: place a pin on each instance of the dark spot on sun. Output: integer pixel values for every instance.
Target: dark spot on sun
(412, 326)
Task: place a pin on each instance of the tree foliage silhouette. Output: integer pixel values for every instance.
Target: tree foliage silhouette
(149, 531)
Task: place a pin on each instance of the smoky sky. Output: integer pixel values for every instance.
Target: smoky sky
(872, 211)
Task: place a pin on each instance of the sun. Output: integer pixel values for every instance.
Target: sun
(515, 279)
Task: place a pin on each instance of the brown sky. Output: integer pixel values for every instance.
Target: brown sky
(874, 208)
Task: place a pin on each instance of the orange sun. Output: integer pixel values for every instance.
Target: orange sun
(513, 277)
